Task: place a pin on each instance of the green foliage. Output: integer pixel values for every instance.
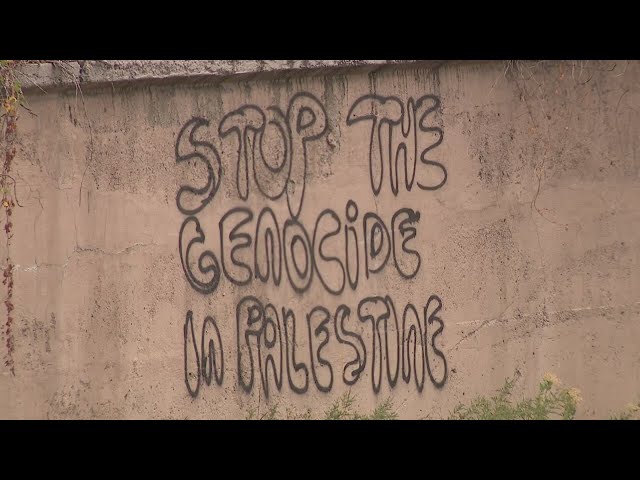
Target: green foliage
(270, 414)
(342, 409)
(384, 411)
(631, 412)
(291, 415)
(10, 87)
(551, 401)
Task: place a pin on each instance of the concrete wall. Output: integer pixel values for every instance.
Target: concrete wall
(145, 245)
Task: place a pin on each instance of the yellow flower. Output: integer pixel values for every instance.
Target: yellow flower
(551, 378)
(632, 408)
(574, 394)
(5, 204)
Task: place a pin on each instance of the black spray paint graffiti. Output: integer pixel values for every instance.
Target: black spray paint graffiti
(385, 115)
(209, 361)
(305, 255)
(305, 120)
(200, 150)
(265, 249)
(208, 264)
(267, 345)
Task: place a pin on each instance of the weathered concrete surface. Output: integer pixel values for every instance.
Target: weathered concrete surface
(531, 245)
(90, 73)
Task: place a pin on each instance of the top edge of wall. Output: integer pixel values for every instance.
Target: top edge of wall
(56, 75)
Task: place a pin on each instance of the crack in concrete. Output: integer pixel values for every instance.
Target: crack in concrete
(548, 314)
(483, 324)
(78, 250)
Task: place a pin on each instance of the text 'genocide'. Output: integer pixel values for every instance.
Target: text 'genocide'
(340, 250)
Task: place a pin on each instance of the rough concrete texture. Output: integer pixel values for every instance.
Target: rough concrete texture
(88, 73)
(524, 258)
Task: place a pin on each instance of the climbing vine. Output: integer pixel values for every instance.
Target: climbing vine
(11, 98)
